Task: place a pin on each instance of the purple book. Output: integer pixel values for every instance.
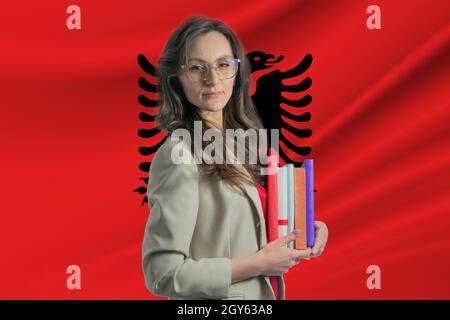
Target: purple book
(309, 185)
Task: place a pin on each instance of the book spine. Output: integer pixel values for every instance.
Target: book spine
(272, 205)
(309, 178)
(300, 207)
(290, 198)
(282, 203)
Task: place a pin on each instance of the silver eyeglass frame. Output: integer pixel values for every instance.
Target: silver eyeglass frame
(183, 66)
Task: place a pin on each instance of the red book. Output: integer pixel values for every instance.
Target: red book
(272, 204)
(300, 207)
(272, 209)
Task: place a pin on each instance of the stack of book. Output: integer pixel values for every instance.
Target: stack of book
(290, 204)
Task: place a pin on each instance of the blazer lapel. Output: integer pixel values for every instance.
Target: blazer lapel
(253, 195)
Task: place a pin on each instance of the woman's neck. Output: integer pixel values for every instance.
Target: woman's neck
(216, 118)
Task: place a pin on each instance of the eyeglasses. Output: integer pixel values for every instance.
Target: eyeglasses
(226, 68)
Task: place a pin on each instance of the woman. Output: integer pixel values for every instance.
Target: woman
(205, 237)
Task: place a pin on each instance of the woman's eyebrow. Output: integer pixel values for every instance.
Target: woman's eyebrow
(224, 56)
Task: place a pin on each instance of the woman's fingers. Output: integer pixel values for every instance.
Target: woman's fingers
(317, 249)
(302, 253)
(316, 253)
(318, 244)
(290, 237)
(299, 254)
(320, 239)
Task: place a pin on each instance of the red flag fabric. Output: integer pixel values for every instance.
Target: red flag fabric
(379, 137)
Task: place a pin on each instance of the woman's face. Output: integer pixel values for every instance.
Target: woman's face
(208, 48)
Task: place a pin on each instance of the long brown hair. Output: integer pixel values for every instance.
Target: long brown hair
(177, 112)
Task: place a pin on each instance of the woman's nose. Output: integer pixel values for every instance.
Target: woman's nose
(211, 77)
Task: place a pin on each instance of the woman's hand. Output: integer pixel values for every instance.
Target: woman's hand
(275, 258)
(321, 237)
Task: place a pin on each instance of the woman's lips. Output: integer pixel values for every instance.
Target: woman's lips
(212, 95)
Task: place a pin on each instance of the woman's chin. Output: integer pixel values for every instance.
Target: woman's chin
(212, 107)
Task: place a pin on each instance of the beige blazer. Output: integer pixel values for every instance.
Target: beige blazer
(195, 226)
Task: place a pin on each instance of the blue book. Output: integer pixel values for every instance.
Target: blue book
(308, 164)
(290, 200)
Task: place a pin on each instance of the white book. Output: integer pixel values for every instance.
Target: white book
(282, 201)
(282, 230)
(290, 199)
